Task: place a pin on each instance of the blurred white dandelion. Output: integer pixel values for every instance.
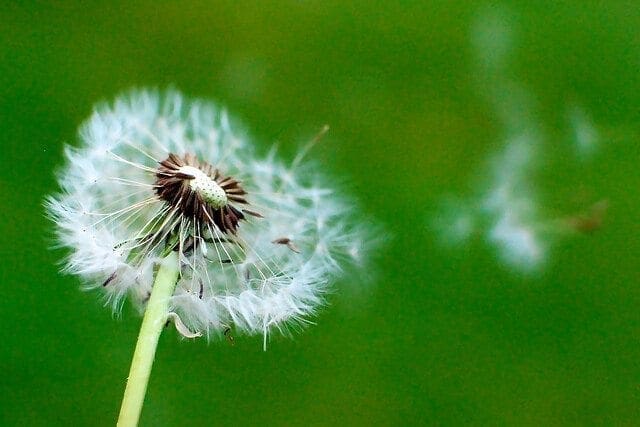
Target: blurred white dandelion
(506, 209)
(258, 242)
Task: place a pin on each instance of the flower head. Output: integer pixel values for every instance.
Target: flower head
(258, 242)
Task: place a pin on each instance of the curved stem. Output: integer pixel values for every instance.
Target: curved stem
(155, 317)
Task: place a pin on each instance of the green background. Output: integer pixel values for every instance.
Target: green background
(437, 335)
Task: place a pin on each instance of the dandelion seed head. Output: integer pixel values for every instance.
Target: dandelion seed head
(259, 242)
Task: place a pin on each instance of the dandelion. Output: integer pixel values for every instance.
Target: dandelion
(164, 204)
(507, 209)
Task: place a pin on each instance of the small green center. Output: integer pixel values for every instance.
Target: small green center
(206, 187)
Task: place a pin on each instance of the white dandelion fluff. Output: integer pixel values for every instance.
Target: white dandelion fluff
(258, 242)
(507, 208)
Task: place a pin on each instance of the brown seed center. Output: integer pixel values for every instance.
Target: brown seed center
(201, 193)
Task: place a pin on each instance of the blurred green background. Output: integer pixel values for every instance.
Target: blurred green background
(441, 335)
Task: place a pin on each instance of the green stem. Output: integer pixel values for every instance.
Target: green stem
(153, 322)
